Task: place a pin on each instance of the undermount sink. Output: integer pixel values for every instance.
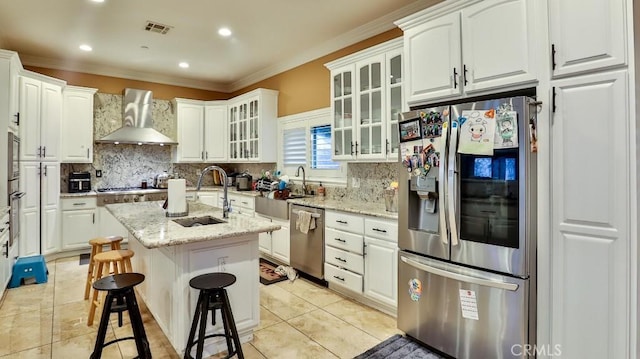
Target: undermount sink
(198, 221)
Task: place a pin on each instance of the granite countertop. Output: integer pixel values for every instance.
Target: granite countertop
(79, 194)
(148, 224)
(346, 205)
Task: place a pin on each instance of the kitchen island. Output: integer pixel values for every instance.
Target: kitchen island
(169, 255)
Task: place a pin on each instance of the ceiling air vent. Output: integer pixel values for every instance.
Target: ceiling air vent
(153, 26)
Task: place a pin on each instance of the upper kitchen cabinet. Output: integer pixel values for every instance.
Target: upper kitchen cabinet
(201, 126)
(366, 97)
(40, 118)
(587, 35)
(10, 68)
(453, 50)
(77, 125)
(252, 126)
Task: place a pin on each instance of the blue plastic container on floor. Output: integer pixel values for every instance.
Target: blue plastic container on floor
(28, 267)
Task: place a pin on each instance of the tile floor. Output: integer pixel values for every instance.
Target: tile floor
(297, 320)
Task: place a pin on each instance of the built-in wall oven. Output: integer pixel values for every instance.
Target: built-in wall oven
(13, 189)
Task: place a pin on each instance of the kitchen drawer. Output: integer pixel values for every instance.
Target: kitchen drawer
(343, 277)
(246, 202)
(78, 203)
(343, 240)
(344, 221)
(343, 259)
(381, 229)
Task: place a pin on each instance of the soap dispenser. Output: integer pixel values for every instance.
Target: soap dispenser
(321, 192)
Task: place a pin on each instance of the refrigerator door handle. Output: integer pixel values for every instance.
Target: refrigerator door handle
(442, 188)
(451, 182)
(460, 277)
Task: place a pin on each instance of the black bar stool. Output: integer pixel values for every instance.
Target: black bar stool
(212, 297)
(119, 288)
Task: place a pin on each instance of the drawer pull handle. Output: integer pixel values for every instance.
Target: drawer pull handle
(245, 203)
(340, 240)
(80, 203)
(338, 278)
(380, 230)
(341, 260)
(341, 221)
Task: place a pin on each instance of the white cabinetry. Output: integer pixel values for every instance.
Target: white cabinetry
(381, 260)
(344, 246)
(78, 222)
(201, 126)
(591, 234)
(587, 36)
(40, 116)
(239, 203)
(209, 198)
(276, 244)
(40, 212)
(108, 225)
(5, 259)
(77, 125)
(366, 97)
(10, 67)
(484, 46)
(253, 126)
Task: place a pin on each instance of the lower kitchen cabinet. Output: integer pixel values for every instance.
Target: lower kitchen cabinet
(6, 261)
(276, 244)
(209, 198)
(40, 211)
(79, 222)
(361, 258)
(109, 225)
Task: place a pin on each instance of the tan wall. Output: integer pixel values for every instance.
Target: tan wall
(303, 88)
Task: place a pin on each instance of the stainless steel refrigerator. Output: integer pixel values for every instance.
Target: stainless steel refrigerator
(467, 227)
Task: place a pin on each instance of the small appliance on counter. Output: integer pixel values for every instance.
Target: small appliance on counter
(244, 182)
(161, 180)
(79, 182)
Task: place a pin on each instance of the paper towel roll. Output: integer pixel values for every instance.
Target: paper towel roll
(177, 196)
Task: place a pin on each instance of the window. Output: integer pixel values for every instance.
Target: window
(321, 148)
(305, 140)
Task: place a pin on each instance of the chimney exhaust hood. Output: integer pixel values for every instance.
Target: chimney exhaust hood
(137, 122)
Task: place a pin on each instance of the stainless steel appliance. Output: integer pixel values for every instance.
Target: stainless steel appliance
(467, 227)
(161, 180)
(129, 194)
(79, 182)
(13, 189)
(243, 182)
(307, 249)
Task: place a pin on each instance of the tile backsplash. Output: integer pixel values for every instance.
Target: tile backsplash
(128, 165)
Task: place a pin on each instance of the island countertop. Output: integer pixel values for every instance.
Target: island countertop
(147, 222)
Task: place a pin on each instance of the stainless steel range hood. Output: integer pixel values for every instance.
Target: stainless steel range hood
(137, 122)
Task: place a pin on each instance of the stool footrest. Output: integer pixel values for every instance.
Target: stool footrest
(190, 346)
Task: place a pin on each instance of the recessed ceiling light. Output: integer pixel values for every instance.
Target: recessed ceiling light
(85, 47)
(97, 0)
(184, 65)
(224, 32)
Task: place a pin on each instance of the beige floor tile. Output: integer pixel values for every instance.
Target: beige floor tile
(283, 341)
(369, 320)
(25, 331)
(27, 298)
(82, 347)
(70, 320)
(282, 303)
(267, 318)
(248, 351)
(311, 292)
(43, 352)
(159, 344)
(69, 290)
(331, 332)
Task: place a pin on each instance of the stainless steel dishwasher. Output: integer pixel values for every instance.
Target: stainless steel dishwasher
(307, 250)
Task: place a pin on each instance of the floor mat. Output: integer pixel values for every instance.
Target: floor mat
(398, 347)
(84, 258)
(267, 274)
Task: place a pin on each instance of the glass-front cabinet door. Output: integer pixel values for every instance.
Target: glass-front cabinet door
(394, 104)
(342, 105)
(243, 125)
(233, 132)
(369, 77)
(253, 135)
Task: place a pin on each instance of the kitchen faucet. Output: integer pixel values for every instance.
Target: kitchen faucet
(304, 180)
(225, 203)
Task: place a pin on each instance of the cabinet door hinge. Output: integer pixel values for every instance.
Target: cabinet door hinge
(553, 56)
(553, 99)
